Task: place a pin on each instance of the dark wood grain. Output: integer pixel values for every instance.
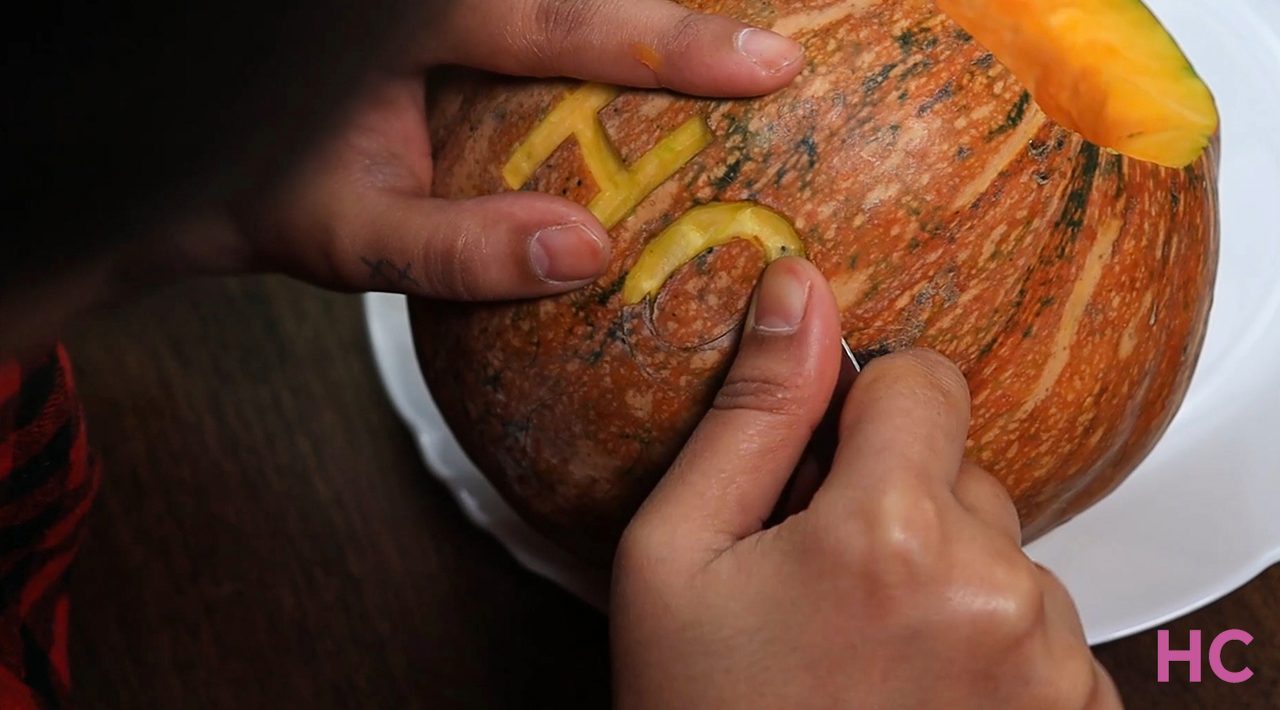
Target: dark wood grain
(267, 536)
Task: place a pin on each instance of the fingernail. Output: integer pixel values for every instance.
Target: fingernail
(768, 50)
(781, 300)
(568, 252)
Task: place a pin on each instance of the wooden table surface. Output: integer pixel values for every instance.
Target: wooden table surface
(267, 537)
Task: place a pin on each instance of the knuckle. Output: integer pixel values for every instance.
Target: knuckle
(685, 32)
(906, 534)
(1016, 609)
(446, 266)
(761, 391)
(924, 370)
(553, 24)
(1001, 603)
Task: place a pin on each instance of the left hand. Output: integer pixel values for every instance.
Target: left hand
(360, 215)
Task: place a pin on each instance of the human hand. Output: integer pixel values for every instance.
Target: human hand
(360, 216)
(902, 584)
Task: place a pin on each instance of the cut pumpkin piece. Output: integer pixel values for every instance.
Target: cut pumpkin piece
(622, 187)
(1106, 69)
(702, 228)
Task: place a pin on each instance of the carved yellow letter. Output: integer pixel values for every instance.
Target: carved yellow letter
(700, 229)
(621, 188)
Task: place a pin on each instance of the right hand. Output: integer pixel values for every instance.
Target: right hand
(902, 584)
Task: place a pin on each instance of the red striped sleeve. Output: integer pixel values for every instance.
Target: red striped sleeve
(48, 481)
(9, 379)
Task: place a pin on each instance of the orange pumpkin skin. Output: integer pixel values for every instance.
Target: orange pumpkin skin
(1071, 285)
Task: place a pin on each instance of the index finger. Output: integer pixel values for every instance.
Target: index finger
(641, 43)
(904, 423)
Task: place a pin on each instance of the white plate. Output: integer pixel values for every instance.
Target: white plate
(1202, 515)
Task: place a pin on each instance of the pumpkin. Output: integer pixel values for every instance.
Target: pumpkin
(1069, 277)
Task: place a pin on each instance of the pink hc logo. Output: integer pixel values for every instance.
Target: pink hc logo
(1194, 655)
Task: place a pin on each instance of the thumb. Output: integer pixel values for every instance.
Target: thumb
(498, 247)
(728, 478)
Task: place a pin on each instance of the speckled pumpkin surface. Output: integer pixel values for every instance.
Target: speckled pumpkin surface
(1071, 284)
